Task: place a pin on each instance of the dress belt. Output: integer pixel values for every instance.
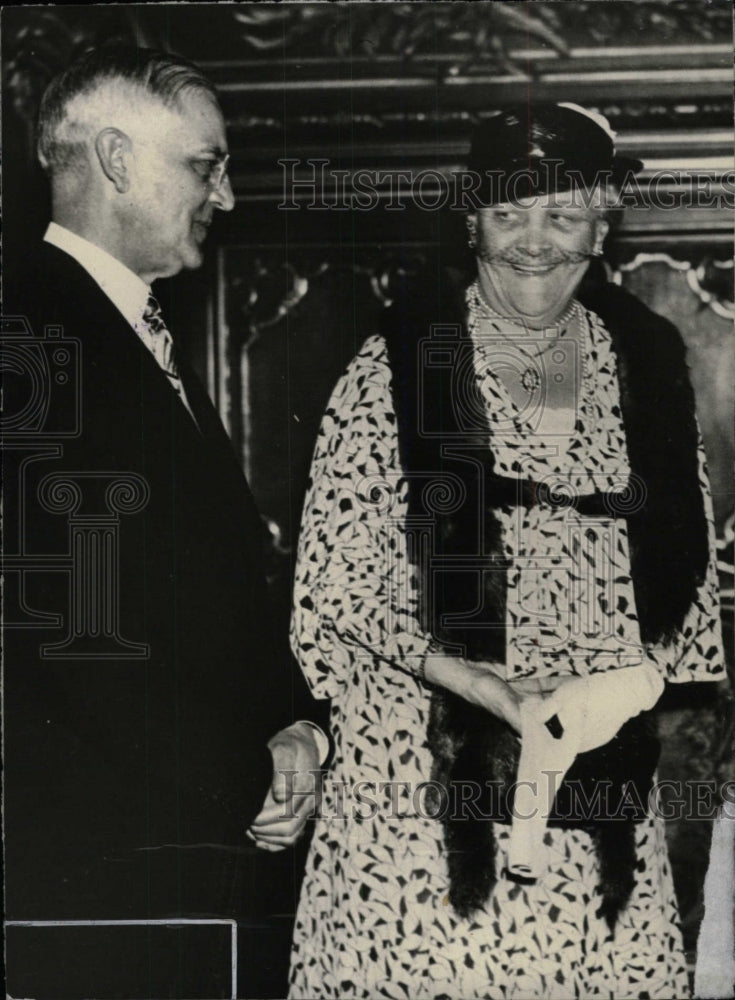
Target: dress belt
(508, 491)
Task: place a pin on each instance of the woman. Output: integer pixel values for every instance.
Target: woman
(505, 532)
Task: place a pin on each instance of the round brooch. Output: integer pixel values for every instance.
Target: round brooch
(531, 379)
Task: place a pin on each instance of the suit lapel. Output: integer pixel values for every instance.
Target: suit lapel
(124, 382)
(115, 350)
(205, 415)
(220, 452)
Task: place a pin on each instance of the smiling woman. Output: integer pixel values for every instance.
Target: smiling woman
(491, 548)
(533, 254)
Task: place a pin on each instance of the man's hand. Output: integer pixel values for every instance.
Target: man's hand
(295, 790)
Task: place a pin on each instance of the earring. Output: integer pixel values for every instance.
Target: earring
(471, 234)
(597, 249)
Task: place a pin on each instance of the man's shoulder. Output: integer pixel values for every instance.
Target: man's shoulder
(49, 287)
(40, 269)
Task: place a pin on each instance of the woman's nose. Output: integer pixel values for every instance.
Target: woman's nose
(535, 237)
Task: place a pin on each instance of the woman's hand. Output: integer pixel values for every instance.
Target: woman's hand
(477, 684)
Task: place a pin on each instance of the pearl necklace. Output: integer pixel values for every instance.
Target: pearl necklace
(478, 305)
(479, 308)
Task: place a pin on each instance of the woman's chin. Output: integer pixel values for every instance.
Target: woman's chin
(537, 297)
(538, 315)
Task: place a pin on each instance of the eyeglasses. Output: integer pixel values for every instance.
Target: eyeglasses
(212, 171)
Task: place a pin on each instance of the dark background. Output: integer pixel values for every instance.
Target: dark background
(285, 298)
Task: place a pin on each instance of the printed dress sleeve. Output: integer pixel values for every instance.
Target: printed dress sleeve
(354, 593)
(697, 653)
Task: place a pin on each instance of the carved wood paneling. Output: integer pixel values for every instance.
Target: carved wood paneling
(294, 319)
(376, 75)
(697, 296)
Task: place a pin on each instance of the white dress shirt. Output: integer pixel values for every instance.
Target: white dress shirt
(127, 292)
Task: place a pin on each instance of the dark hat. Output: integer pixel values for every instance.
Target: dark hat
(528, 150)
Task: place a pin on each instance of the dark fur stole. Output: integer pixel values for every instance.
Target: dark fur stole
(455, 537)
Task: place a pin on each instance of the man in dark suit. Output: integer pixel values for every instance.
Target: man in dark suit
(146, 715)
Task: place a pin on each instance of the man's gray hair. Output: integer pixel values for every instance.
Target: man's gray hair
(149, 73)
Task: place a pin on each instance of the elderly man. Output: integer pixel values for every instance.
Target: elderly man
(145, 709)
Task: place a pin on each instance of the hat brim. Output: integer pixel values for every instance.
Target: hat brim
(530, 177)
(624, 165)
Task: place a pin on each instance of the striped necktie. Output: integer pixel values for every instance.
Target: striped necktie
(158, 338)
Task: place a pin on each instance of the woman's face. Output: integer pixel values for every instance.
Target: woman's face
(532, 254)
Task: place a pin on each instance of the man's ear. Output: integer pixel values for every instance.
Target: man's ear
(112, 147)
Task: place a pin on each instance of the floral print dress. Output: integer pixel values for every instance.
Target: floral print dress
(374, 918)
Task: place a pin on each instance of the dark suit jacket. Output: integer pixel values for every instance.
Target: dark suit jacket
(129, 780)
